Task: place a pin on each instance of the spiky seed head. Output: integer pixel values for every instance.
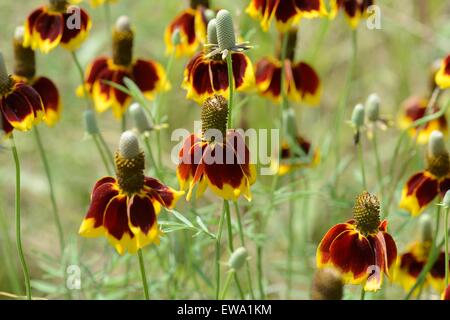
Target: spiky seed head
(90, 122)
(327, 284)
(212, 31)
(436, 144)
(4, 76)
(214, 117)
(373, 107)
(129, 145)
(225, 30)
(123, 24)
(140, 118)
(366, 213)
(426, 228)
(358, 116)
(238, 258)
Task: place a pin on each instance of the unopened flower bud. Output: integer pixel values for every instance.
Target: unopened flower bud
(426, 228)
(373, 107)
(90, 122)
(212, 31)
(225, 30)
(436, 144)
(209, 14)
(129, 145)
(358, 116)
(238, 258)
(140, 118)
(446, 201)
(327, 284)
(176, 37)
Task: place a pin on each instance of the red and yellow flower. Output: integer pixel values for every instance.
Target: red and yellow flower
(191, 26)
(95, 3)
(125, 209)
(414, 109)
(304, 157)
(411, 263)
(50, 25)
(148, 75)
(354, 10)
(218, 158)
(20, 105)
(443, 75)
(285, 12)
(361, 249)
(423, 187)
(204, 77)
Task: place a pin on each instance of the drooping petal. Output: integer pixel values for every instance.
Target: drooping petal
(418, 192)
(310, 8)
(142, 220)
(263, 10)
(323, 250)
(50, 99)
(302, 157)
(150, 77)
(286, 14)
(437, 273)
(243, 73)
(103, 192)
(268, 78)
(28, 39)
(93, 71)
(5, 127)
(119, 99)
(163, 194)
(189, 157)
(185, 23)
(198, 79)
(47, 31)
(102, 93)
(307, 84)
(443, 75)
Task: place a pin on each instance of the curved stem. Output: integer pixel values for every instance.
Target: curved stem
(102, 155)
(51, 188)
(363, 293)
(231, 90)
(227, 284)
(361, 162)
(108, 152)
(23, 262)
(143, 275)
(377, 161)
(291, 240)
(218, 239)
(152, 158)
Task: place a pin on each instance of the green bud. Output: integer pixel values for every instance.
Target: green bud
(176, 37)
(225, 30)
(129, 145)
(238, 258)
(436, 144)
(140, 118)
(209, 14)
(358, 116)
(426, 228)
(373, 107)
(90, 122)
(446, 201)
(212, 31)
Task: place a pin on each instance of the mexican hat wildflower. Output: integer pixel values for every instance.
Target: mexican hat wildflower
(125, 209)
(54, 24)
(423, 187)
(285, 12)
(148, 75)
(361, 249)
(443, 75)
(218, 158)
(354, 10)
(20, 105)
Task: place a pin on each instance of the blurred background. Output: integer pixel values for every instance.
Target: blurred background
(393, 62)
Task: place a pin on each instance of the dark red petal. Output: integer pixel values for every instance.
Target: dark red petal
(31, 20)
(190, 156)
(414, 182)
(391, 249)
(219, 74)
(352, 253)
(4, 124)
(16, 108)
(330, 236)
(95, 69)
(48, 92)
(116, 218)
(306, 79)
(32, 97)
(285, 10)
(121, 97)
(103, 193)
(145, 75)
(141, 213)
(103, 181)
(201, 77)
(264, 70)
(409, 262)
(185, 22)
(438, 269)
(427, 191)
(308, 5)
(444, 186)
(162, 193)
(49, 26)
(240, 65)
(70, 34)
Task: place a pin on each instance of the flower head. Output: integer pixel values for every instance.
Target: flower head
(301, 80)
(206, 76)
(25, 71)
(54, 24)
(361, 249)
(125, 209)
(218, 158)
(354, 10)
(285, 12)
(190, 27)
(421, 189)
(443, 75)
(20, 105)
(148, 75)
(414, 109)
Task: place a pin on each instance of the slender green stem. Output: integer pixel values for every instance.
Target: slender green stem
(242, 238)
(108, 152)
(51, 188)
(231, 90)
(124, 122)
(291, 240)
(377, 160)
(218, 240)
(363, 293)
(446, 229)
(343, 101)
(432, 257)
(262, 294)
(283, 87)
(361, 162)
(152, 158)
(102, 155)
(226, 285)
(23, 262)
(226, 205)
(143, 275)
(108, 20)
